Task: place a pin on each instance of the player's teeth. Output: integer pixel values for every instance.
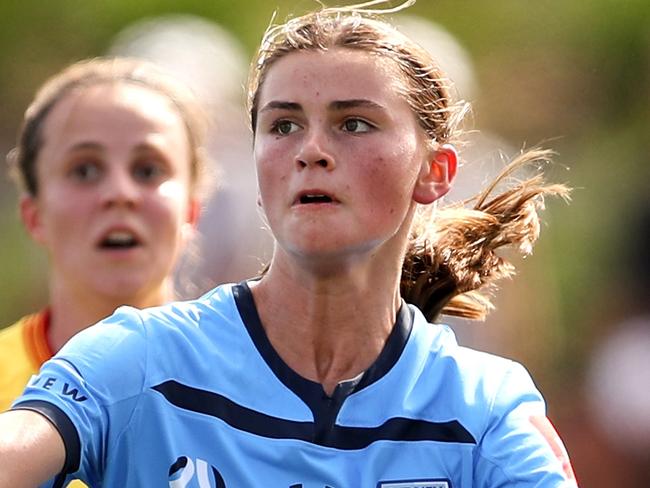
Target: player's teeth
(120, 236)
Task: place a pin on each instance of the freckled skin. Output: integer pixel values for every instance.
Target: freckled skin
(342, 163)
(373, 173)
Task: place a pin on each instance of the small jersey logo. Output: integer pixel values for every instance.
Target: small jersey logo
(414, 484)
(186, 472)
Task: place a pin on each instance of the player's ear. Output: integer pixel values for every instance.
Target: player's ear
(191, 219)
(436, 174)
(193, 212)
(30, 214)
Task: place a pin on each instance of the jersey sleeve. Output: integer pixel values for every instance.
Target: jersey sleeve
(520, 447)
(94, 382)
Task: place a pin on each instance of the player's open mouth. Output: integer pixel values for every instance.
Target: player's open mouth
(119, 239)
(314, 197)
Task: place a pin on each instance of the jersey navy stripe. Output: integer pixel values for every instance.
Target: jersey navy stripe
(346, 438)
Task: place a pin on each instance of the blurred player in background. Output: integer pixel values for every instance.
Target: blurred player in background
(232, 241)
(109, 161)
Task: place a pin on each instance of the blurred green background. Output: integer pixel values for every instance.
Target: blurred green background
(567, 74)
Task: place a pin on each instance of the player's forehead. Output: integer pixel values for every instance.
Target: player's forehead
(112, 95)
(337, 73)
(114, 121)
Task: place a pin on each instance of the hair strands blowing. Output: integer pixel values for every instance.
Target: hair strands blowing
(452, 261)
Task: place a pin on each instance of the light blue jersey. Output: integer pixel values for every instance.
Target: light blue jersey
(192, 394)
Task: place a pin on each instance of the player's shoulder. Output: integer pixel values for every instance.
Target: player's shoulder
(193, 316)
(441, 346)
(144, 339)
(177, 315)
(132, 328)
(473, 371)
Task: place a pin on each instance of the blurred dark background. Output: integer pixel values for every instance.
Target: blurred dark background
(570, 75)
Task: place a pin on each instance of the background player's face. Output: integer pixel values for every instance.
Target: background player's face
(338, 152)
(114, 203)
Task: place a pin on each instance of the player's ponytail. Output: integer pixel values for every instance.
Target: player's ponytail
(452, 259)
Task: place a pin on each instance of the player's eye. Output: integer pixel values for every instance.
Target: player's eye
(148, 171)
(284, 127)
(86, 171)
(357, 126)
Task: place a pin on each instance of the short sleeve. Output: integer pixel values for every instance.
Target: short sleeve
(90, 388)
(517, 448)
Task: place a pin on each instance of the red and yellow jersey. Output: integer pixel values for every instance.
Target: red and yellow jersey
(23, 348)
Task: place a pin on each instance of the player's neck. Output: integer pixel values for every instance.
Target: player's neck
(328, 329)
(74, 309)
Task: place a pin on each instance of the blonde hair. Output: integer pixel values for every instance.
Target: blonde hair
(451, 259)
(83, 74)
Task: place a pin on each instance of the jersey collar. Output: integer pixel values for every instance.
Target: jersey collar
(312, 392)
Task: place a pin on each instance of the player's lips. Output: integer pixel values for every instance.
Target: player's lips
(314, 196)
(119, 238)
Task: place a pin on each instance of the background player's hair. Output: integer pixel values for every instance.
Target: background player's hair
(22, 159)
(451, 258)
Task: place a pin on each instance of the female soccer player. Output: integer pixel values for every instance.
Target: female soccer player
(319, 374)
(108, 162)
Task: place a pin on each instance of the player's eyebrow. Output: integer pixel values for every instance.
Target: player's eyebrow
(95, 146)
(355, 103)
(281, 105)
(82, 146)
(335, 105)
(157, 148)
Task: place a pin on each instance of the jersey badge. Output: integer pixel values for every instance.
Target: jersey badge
(414, 484)
(185, 471)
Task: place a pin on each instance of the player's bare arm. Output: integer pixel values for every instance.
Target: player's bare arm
(31, 449)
